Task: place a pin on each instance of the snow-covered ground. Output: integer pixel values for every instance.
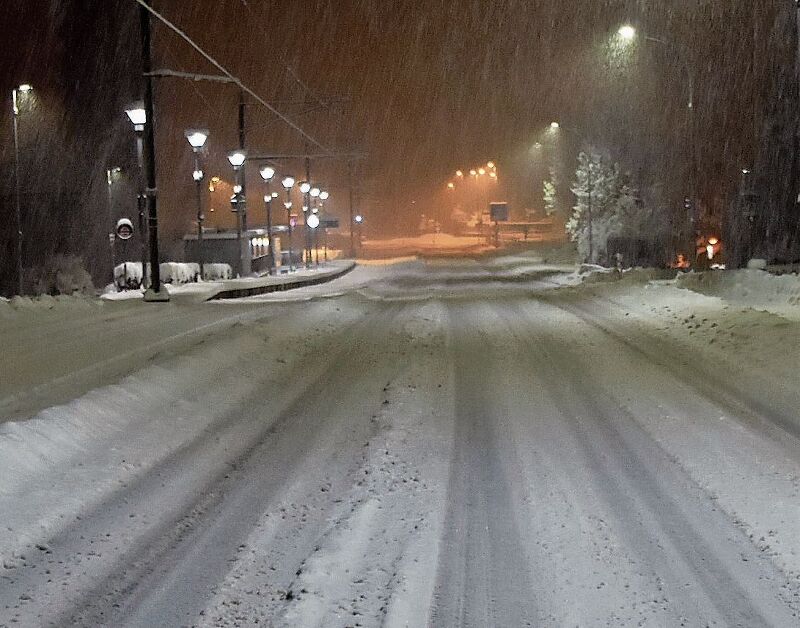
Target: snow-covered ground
(455, 443)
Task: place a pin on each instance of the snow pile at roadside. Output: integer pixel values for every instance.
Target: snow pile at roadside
(749, 287)
(19, 306)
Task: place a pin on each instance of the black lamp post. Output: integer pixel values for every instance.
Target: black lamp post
(239, 205)
(138, 116)
(288, 184)
(197, 140)
(267, 173)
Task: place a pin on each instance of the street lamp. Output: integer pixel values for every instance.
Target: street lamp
(138, 116)
(197, 140)
(627, 32)
(288, 184)
(555, 125)
(267, 174)
(237, 158)
(15, 94)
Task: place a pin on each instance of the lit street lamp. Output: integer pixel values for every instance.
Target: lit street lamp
(237, 159)
(15, 96)
(138, 116)
(267, 173)
(288, 184)
(197, 140)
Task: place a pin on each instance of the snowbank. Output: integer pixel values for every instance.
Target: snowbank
(750, 287)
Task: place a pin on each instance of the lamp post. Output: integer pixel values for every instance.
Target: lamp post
(197, 140)
(267, 173)
(288, 184)
(305, 189)
(15, 97)
(239, 205)
(628, 33)
(314, 192)
(112, 236)
(138, 116)
(324, 196)
(359, 220)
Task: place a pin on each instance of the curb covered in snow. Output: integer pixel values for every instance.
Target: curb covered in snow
(239, 288)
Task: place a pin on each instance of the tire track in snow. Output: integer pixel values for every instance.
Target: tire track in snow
(669, 522)
(482, 574)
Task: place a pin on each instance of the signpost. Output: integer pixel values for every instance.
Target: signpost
(498, 213)
(124, 229)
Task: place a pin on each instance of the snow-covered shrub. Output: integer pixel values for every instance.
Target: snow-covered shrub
(179, 272)
(60, 274)
(128, 276)
(216, 272)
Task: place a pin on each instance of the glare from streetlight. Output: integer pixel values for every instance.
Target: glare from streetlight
(274, 195)
(627, 32)
(324, 196)
(359, 218)
(267, 172)
(25, 88)
(490, 165)
(288, 182)
(459, 173)
(451, 185)
(237, 189)
(313, 221)
(473, 173)
(481, 171)
(315, 192)
(305, 187)
(197, 138)
(555, 125)
(237, 158)
(197, 175)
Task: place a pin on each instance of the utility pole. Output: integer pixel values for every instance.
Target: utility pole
(244, 240)
(155, 293)
(307, 211)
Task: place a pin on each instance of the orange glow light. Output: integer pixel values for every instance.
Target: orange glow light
(481, 171)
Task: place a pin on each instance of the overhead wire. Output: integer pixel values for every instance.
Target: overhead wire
(230, 75)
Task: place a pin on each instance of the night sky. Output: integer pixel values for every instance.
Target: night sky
(421, 87)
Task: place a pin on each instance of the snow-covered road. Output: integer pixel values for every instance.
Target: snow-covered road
(443, 444)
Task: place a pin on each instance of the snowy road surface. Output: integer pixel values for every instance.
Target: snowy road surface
(451, 444)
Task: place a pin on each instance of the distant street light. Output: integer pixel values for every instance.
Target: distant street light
(324, 196)
(555, 125)
(197, 140)
(138, 116)
(267, 174)
(237, 159)
(15, 96)
(288, 184)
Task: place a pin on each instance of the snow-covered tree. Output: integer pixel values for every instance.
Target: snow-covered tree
(615, 206)
(596, 191)
(550, 192)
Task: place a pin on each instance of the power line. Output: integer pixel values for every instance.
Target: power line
(232, 77)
